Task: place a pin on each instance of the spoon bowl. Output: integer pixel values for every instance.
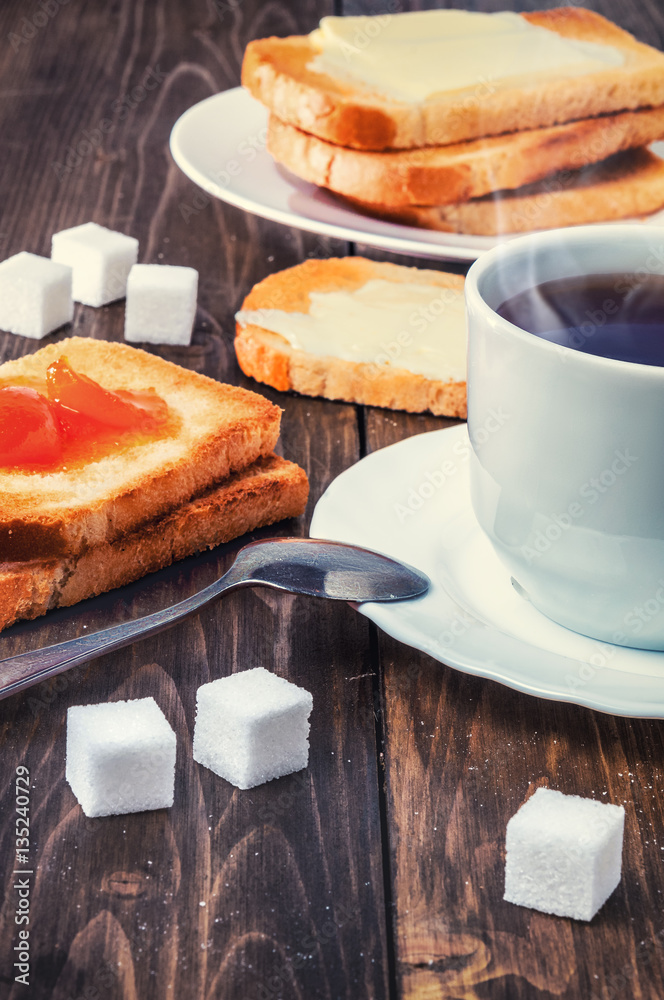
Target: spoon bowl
(309, 566)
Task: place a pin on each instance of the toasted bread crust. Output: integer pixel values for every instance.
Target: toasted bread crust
(220, 429)
(268, 358)
(444, 175)
(275, 71)
(627, 185)
(268, 491)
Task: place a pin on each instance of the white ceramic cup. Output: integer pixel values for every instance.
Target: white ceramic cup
(567, 448)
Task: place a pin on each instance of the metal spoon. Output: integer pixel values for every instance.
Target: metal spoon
(297, 565)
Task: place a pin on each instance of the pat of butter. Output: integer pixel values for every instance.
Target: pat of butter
(419, 328)
(413, 56)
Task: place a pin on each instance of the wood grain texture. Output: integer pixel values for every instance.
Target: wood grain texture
(279, 892)
(463, 754)
(262, 894)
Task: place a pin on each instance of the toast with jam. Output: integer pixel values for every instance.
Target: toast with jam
(114, 463)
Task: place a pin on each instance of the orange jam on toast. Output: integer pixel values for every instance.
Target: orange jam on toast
(69, 419)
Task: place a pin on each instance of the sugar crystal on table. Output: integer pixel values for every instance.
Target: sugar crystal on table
(100, 258)
(35, 295)
(564, 854)
(161, 304)
(252, 726)
(120, 757)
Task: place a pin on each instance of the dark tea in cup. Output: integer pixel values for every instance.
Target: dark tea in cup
(569, 489)
(618, 316)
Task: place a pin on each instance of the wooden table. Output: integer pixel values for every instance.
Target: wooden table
(378, 871)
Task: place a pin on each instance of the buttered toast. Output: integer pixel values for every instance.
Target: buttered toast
(382, 334)
(342, 109)
(626, 185)
(214, 430)
(445, 175)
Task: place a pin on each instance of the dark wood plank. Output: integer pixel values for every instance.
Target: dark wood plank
(268, 893)
(462, 754)
(290, 875)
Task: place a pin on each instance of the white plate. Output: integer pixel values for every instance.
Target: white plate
(220, 145)
(412, 501)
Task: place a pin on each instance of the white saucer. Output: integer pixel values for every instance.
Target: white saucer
(412, 501)
(219, 144)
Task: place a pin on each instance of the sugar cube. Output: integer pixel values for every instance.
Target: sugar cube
(120, 757)
(35, 295)
(100, 258)
(161, 304)
(252, 726)
(564, 854)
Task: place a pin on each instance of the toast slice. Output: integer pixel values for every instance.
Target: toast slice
(379, 381)
(350, 113)
(444, 175)
(214, 430)
(267, 491)
(626, 185)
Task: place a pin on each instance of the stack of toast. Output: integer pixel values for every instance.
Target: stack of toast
(78, 529)
(508, 154)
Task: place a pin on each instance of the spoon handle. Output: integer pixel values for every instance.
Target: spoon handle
(26, 669)
(297, 565)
